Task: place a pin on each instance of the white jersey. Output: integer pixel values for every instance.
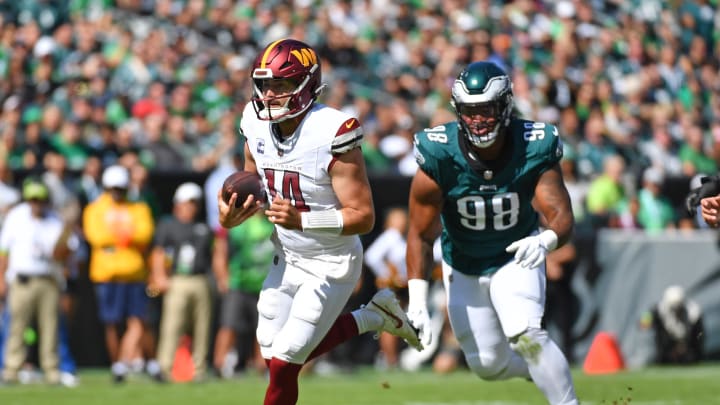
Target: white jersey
(298, 169)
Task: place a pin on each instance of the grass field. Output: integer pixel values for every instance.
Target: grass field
(653, 386)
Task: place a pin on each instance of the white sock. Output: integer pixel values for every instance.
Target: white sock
(152, 367)
(367, 320)
(120, 368)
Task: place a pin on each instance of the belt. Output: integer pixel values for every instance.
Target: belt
(24, 278)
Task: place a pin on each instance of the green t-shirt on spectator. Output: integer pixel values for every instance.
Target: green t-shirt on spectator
(604, 195)
(76, 154)
(250, 253)
(655, 213)
(701, 162)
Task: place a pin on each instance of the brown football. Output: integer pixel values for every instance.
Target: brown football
(243, 183)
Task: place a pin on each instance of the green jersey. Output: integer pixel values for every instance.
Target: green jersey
(487, 205)
(251, 252)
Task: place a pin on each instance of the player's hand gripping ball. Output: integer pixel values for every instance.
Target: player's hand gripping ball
(243, 183)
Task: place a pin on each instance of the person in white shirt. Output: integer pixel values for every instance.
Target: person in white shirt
(34, 243)
(385, 257)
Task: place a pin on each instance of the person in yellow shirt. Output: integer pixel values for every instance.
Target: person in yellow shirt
(119, 233)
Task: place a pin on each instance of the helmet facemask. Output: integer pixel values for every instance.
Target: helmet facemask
(483, 122)
(291, 69)
(483, 101)
(296, 97)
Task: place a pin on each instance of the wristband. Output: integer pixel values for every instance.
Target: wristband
(417, 292)
(549, 239)
(330, 221)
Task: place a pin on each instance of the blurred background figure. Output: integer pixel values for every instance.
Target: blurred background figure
(139, 189)
(119, 233)
(607, 194)
(34, 245)
(677, 323)
(655, 212)
(9, 195)
(242, 258)
(215, 180)
(560, 301)
(385, 257)
(180, 262)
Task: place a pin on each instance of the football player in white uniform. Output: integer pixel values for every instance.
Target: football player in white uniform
(308, 156)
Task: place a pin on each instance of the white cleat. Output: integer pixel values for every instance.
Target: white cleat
(395, 322)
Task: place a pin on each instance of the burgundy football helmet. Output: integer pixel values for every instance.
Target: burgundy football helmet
(289, 62)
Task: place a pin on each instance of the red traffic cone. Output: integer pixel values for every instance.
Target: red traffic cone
(604, 356)
(183, 368)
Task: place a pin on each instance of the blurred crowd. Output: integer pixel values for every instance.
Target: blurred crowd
(158, 86)
(164, 81)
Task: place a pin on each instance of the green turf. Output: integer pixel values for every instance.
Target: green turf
(653, 386)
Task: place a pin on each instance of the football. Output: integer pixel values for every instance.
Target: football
(243, 183)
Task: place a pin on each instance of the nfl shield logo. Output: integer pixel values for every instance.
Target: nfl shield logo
(261, 147)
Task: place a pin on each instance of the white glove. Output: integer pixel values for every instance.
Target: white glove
(417, 310)
(530, 252)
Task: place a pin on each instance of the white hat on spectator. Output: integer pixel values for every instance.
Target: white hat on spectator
(187, 192)
(653, 175)
(565, 9)
(44, 46)
(116, 176)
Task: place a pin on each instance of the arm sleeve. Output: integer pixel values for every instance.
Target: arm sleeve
(424, 156)
(553, 151)
(160, 238)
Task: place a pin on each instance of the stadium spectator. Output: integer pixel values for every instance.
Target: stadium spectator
(34, 244)
(385, 257)
(90, 183)
(139, 189)
(677, 324)
(9, 195)
(694, 153)
(560, 301)
(215, 180)
(63, 186)
(319, 202)
(629, 70)
(119, 233)
(67, 364)
(244, 254)
(476, 191)
(180, 260)
(655, 213)
(607, 192)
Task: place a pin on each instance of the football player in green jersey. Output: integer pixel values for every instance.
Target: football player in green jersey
(490, 185)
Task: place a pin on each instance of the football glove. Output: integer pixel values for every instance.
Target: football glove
(710, 187)
(530, 252)
(418, 314)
